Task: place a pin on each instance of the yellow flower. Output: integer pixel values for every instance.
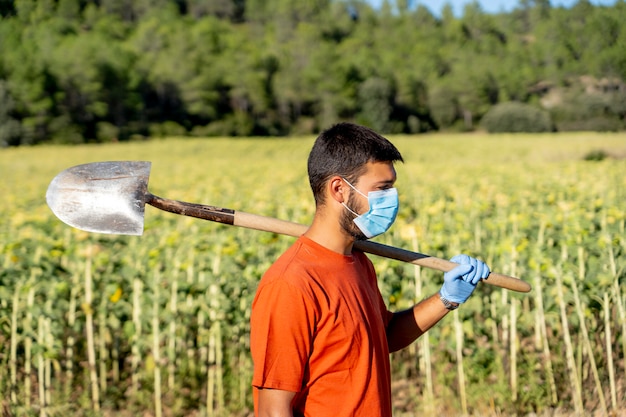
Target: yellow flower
(115, 297)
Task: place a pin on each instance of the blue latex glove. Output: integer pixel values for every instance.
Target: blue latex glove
(459, 283)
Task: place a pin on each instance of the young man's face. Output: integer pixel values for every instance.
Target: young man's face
(378, 176)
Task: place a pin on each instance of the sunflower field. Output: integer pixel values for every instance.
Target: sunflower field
(157, 325)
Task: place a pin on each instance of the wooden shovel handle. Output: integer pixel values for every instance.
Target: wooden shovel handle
(269, 224)
(494, 278)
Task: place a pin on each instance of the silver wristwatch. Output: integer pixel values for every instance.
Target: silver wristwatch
(448, 304)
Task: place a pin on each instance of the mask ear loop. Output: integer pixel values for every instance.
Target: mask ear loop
(350, 210)
(353, 187)
(344, 204)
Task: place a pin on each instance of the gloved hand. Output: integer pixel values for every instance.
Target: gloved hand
(459, 283)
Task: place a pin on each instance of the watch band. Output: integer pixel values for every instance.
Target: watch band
(448, 304)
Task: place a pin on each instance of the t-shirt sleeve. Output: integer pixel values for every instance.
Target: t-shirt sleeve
(282, 326)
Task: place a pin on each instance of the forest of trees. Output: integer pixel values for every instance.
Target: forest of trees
(76, 71)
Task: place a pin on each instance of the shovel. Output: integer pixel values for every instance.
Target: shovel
(110, 197)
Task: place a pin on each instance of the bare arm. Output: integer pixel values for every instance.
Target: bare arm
(274, 403)
(408, 325)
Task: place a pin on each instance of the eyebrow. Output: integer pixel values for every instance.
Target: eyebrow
(385, 182)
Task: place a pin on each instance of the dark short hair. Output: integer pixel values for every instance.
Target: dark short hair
(344, 149)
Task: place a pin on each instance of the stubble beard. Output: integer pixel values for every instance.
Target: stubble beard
(347, 220)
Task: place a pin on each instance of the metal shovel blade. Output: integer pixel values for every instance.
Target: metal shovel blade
(102, 197)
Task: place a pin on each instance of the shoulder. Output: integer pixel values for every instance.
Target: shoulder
(288, 266)
(365, 262)
(290, 273)
(287, 294)
(304, 272)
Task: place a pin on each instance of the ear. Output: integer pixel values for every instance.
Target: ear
(337, 189)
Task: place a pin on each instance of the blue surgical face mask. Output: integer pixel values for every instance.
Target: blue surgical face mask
(382, 213)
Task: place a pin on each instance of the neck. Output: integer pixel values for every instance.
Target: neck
(330, 235)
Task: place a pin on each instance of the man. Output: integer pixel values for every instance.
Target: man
(320, 331)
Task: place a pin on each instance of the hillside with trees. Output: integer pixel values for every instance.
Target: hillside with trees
(75, 71)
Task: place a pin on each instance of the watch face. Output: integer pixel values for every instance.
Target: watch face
(448, 304)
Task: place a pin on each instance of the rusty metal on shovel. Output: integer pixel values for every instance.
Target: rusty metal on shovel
(110, 197)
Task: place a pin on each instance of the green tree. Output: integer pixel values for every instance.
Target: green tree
(375, 99)
(516, 117)
(69, 10)
(226, 9)
(7, 8)
(607, 39)
(32, 86)
(10, 129)
(92, 71)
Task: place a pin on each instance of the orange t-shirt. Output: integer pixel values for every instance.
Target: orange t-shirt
(318, 329)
